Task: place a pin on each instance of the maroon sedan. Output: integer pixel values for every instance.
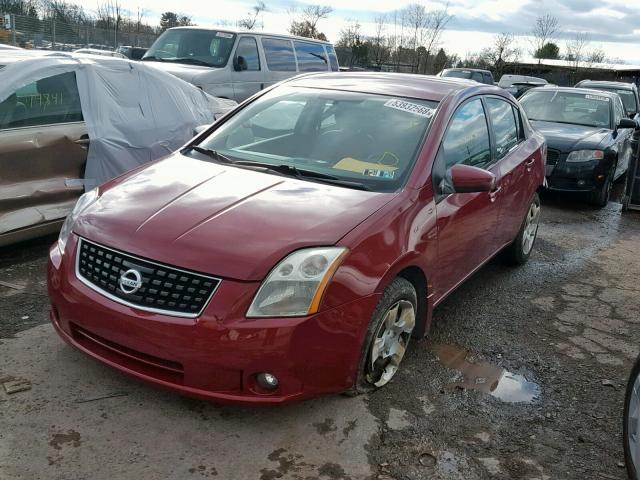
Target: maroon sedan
(294, 247)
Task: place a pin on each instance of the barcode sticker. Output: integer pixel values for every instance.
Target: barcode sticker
(410, 107)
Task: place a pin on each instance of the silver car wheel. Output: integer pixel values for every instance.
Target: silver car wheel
(633, 426)
(531, 227)
(390, 343)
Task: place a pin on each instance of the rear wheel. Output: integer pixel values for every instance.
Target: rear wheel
(387, 337)
(631, 425)
(520, 249)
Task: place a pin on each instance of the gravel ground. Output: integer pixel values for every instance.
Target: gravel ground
(566, 322)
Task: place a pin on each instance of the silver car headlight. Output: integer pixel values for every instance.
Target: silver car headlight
(83, 202)
(585, 155)
(295, 286)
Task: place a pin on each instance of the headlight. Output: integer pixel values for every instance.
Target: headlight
(585, 155)
(296, 285)
(83, 202)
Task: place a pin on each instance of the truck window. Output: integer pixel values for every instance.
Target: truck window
(279, 54)
(311, 57)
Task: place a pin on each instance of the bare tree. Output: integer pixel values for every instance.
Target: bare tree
(378, 50)
(305, 23)
(597, 55)
(576, 49)
(543, 32)
(251, 20)
(438, 20)
(351, 32)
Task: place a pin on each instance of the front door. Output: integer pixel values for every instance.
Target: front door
(247, 74)
(42, 154)
(466, 222)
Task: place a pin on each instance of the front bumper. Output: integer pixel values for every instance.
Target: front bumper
(575, 177)
(217, 355)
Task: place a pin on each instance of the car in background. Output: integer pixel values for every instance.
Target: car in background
(50, 150)
(4, 46)
(631, 423)
(235, 64)
(589, 138)
(132, 53)
(295, 247)
(475, 74)
(628, 93)
(517, 85)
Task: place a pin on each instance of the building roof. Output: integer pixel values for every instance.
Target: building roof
(616, 67)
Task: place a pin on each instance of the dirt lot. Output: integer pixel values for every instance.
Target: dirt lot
(565, 326)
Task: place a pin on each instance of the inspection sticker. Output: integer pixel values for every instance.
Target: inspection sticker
(224, 34)
(379, 173)
(596, 97)
(414, 108)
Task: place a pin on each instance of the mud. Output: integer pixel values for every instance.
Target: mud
(567, 322)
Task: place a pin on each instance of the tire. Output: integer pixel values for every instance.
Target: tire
(519, 251)
(632, 402)
(400, 293)
(600, 198)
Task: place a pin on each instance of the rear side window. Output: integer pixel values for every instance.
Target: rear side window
(51, 100)
(504, 125)
(477, 76)
(488, 79)
(467, 138)
(311, 57)
(248, 49)
(279, 54)
(333, 59)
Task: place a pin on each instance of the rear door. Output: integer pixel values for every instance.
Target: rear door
(466, 222)
(516, 166)
(280, 59)
(622, 139)
(250, 78)
(42, 153)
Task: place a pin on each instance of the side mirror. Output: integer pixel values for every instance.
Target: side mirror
(199, 129)
(627, 123)
(467, 179)
(240, 63)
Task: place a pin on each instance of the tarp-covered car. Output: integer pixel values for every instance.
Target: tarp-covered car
(69, 122)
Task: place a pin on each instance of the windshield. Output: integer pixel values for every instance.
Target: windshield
(590, 110)
(197, 47)
(354, 138)
(457, 73)
(627, 96)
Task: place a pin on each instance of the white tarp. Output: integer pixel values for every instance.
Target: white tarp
(134, 113)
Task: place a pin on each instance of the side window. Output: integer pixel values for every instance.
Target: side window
(488, 79)
(477, 76)
(618, 110)
(50, 100)
(504, 125)
(311, 57)
(333, 59)
(279, 54)
(248, 49)
(466, 140)
(516, 114)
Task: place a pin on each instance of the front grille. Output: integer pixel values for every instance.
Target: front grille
(163, 289)
(552, 156)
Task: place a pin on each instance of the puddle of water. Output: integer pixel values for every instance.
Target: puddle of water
(486, 377)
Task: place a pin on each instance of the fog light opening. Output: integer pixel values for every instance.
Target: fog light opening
(267, 381)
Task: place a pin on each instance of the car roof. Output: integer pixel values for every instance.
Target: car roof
(461, 69)
(424, 87)
(253, 32)
(585, 91)
(607, 83)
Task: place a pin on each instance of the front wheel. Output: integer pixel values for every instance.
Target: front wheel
(387, 337)
(519, 251)
(631, 425)
(600, 197)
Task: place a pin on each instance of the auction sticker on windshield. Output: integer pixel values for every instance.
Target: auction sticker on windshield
(224, 35)
(414, 108)
(596, 97)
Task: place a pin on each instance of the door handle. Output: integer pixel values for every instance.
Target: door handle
(493, 193)
(83, 141)
(529, 164)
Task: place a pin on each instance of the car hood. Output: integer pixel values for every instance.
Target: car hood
(222, 220)
(180, 70)
(566, 138)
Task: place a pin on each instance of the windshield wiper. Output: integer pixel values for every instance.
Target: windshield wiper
(155, 59)
(193, 61)
(215, 155)
(296, 172)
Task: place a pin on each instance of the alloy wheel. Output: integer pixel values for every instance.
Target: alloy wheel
(390, 343)
(531, 227)
(633, 426)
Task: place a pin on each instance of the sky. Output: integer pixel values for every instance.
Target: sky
(612, 25)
